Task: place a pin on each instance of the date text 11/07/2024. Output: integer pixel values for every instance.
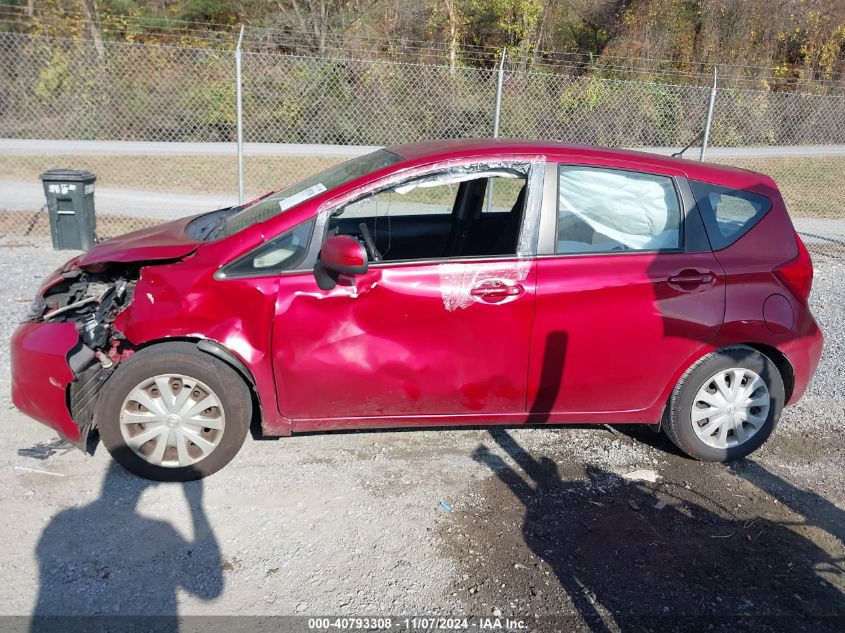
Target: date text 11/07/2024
(423, 623)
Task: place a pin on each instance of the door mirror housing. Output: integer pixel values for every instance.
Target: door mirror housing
(340, 255)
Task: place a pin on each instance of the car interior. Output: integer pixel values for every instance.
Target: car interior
(446, 216)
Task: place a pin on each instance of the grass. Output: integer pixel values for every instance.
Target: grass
(813, 187)
(174, 174)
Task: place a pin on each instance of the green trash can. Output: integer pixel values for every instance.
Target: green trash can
(70, 202)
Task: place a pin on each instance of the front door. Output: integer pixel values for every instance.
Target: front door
(439, 325)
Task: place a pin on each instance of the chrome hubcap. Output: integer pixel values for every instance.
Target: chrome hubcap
(172, 420)
(730, 408)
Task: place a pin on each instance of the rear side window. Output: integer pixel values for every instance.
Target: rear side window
(728, 213)
(604, 210)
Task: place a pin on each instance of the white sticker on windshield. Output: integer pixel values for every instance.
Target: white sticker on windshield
(302, 196)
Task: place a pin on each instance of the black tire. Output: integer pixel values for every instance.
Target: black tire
(178, 358)
(677, 420)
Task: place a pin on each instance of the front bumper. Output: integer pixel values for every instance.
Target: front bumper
(40, 374)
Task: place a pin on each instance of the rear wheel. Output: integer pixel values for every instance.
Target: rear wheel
(172, 413)
(726, 405)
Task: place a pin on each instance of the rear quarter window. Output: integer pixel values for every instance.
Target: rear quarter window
(728, 214)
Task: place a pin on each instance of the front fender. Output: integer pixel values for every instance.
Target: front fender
(182, 302)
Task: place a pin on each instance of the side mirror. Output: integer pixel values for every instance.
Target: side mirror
(340, 255)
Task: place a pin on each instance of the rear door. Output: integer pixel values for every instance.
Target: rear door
(628, 290)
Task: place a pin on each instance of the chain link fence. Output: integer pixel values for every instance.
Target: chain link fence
(157, 124)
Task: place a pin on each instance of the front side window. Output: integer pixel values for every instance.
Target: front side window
(455, 213)
(604, 210)
(728, 213)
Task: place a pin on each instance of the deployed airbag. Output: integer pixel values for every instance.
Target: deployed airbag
(637, 211)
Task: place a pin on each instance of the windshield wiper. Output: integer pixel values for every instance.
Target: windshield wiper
(212, 229)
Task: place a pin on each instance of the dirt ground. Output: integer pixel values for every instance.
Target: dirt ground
(554, 538)
(533, 527)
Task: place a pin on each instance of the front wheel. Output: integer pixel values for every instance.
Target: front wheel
(726, 405)
(173, 413)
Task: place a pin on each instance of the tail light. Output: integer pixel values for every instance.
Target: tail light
(797, 274)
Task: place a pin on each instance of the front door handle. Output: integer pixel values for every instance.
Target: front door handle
(692, 278)
(495, 290)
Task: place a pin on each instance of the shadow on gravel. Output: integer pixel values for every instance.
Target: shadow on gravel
(627, 554)
(816, 510)
(662, 556)
(105, 560)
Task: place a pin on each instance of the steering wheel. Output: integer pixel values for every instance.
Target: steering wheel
(369, 242)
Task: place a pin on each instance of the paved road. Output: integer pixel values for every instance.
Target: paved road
(142, 148)
(25, 196)
(820, 230)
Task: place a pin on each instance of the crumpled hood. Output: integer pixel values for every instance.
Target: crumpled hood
(163, 241)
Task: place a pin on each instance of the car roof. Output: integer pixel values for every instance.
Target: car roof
(460, 148)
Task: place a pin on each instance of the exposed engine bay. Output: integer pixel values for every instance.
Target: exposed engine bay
(91, 301)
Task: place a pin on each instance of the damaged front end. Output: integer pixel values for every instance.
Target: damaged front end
(71, 323)
(68, 345)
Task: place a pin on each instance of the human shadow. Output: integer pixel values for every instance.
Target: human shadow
(815, 509)
(625, 554)
(103, 561)
(630, 556)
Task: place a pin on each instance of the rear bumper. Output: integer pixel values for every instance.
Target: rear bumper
(803, 354)
(40, 374)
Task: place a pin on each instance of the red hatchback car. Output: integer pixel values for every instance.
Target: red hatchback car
(455, 282)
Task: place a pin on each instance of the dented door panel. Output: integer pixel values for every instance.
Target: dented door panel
(404, 340)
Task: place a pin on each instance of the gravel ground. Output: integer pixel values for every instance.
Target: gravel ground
(542, 527)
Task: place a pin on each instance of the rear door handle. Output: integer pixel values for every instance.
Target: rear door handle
(692, 279)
